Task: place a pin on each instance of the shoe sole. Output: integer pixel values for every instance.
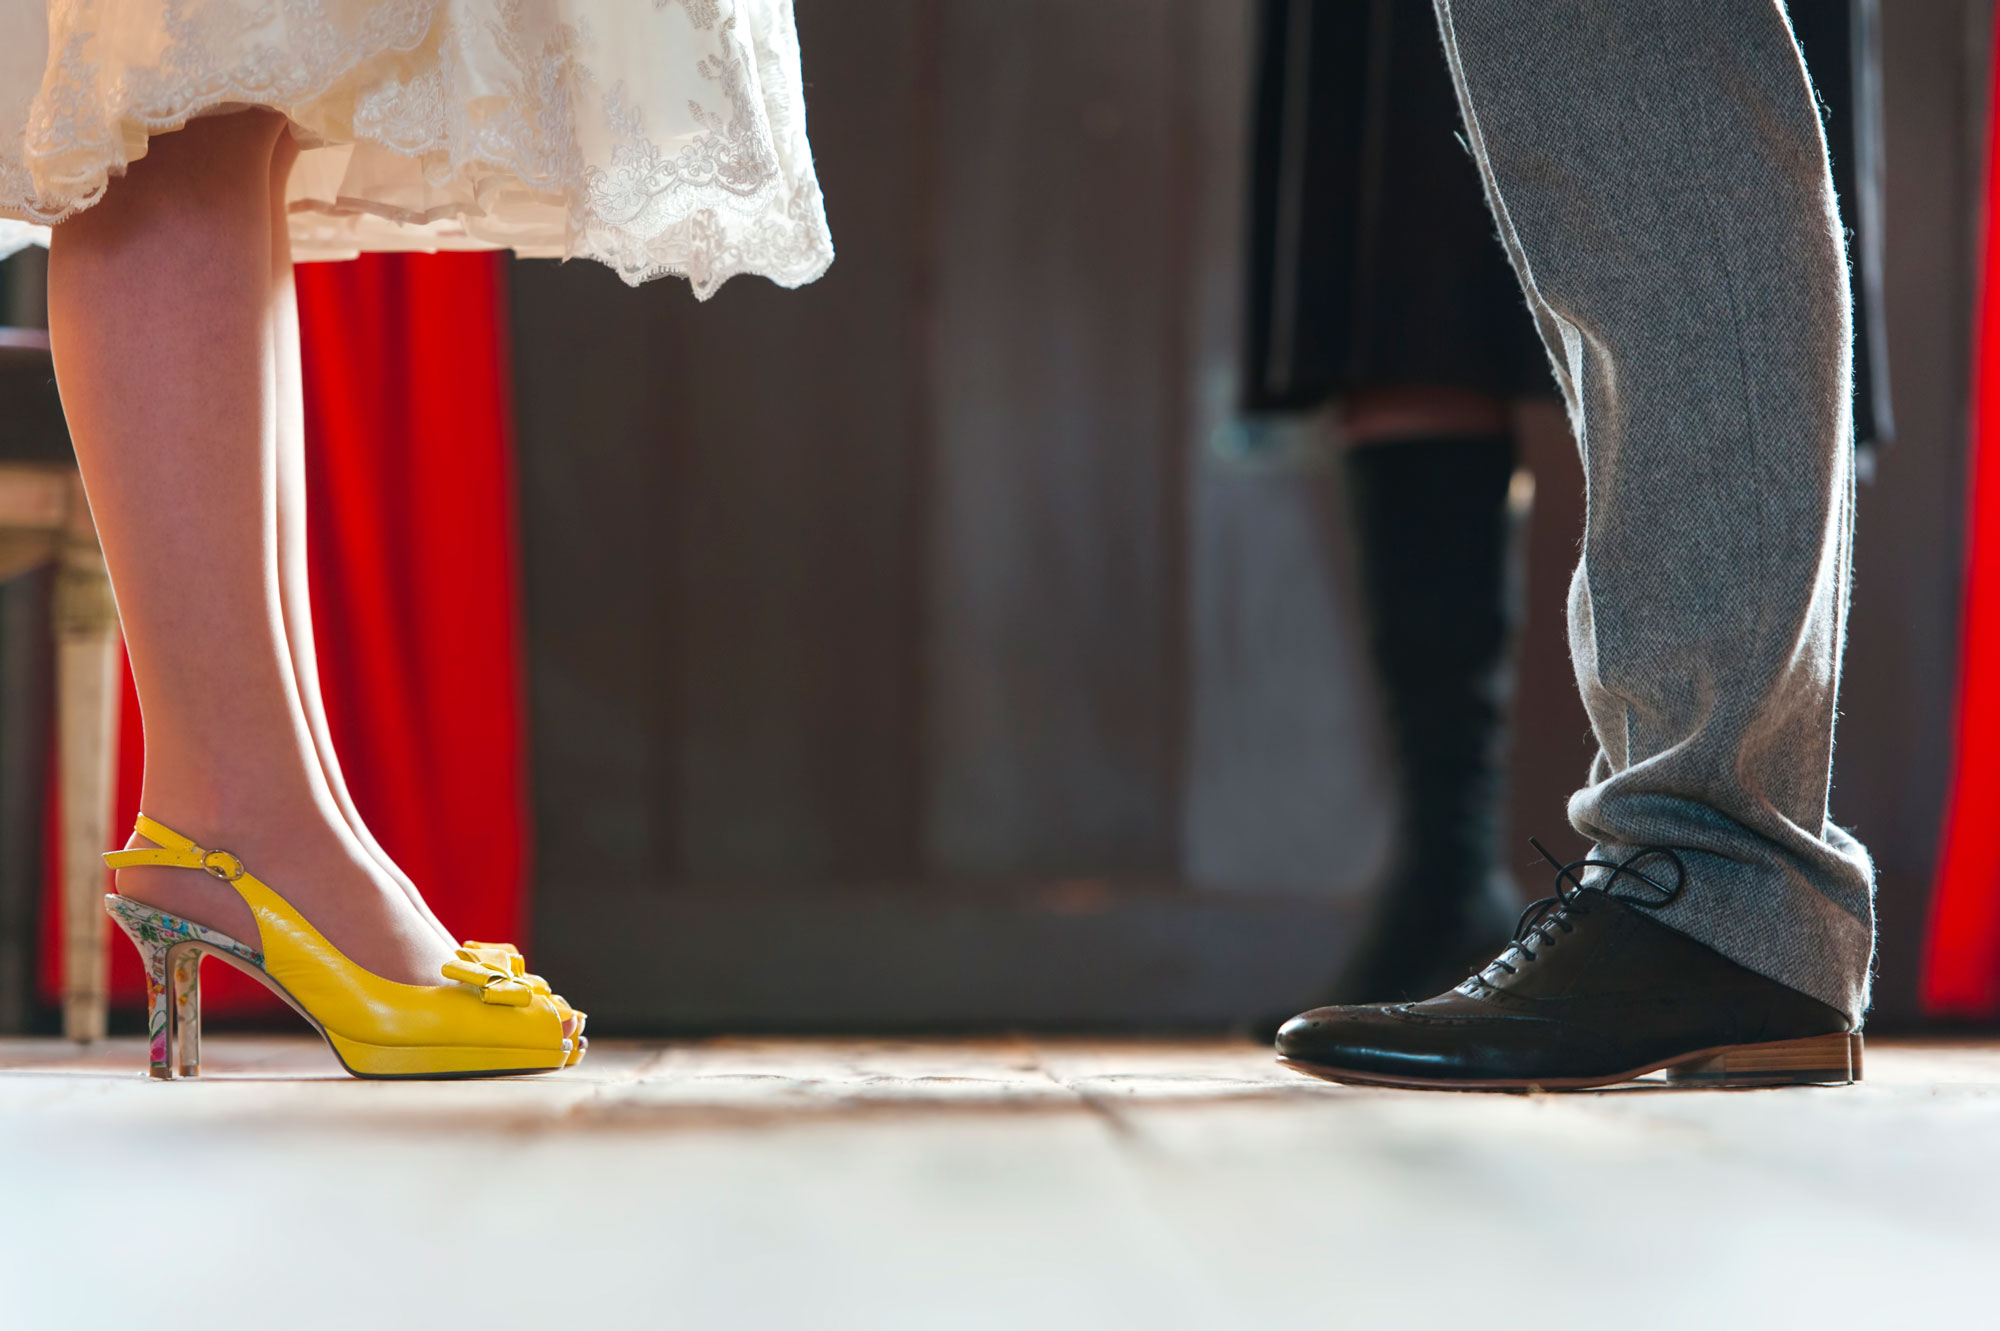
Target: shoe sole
(434, 1062)
(1820, 1060)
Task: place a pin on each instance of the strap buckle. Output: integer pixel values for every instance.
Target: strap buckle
(221, 864)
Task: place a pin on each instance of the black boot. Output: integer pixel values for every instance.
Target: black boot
(1594, 992)
(1436, 556)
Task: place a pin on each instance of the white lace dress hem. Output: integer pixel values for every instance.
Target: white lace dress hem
(656, 136)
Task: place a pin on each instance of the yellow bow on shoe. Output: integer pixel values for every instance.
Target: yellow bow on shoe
(507, 957)
(495, 984)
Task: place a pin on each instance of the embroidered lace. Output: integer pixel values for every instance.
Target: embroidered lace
(658, 136)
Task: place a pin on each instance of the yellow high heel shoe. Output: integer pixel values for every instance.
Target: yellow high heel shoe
(507, 957)
(485, 1023)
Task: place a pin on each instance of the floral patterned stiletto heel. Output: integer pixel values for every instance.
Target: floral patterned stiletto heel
(171, 949)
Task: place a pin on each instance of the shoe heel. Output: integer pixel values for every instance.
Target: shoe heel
(173, 986)
(1822, 1060)
(182, 1001)
(171, 949)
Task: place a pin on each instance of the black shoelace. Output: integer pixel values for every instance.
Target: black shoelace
(1554, 912)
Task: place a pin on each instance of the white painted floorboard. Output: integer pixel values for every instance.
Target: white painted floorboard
(1012, 1184)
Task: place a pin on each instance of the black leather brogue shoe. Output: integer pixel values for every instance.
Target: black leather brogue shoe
(1592, 992)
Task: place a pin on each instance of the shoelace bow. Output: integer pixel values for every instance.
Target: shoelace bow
(1555, 911)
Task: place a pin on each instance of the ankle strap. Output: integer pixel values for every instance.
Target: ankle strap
(174, 851)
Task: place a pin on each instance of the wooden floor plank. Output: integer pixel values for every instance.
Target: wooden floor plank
(1004, 1182)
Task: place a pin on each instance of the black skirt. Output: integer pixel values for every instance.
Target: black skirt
(1373, 261)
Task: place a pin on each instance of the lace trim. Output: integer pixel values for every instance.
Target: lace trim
(67, 112)
(732, 200)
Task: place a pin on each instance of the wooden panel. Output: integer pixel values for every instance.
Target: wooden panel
(911, 956)
(26, 695)
(796, 551)
(719, 520)
(1054, 594)
(596, 522)
(31, 430)
(1286, 768)
(1284, 764)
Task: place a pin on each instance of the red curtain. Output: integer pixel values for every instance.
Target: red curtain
(1961, 973)
(414, 577)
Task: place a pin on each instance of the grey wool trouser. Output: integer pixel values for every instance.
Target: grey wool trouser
(1659, 177)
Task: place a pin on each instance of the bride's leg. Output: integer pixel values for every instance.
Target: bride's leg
(294, 589)
(161, 310)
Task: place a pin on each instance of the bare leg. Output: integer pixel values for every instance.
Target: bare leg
(294, 588)
(161, 311)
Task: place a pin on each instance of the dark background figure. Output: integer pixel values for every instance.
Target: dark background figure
(1378, 289)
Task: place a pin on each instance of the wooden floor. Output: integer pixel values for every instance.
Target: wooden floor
(1017, 1183)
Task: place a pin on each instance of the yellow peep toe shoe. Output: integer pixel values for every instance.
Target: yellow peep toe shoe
(485, 1022)
(507, 957)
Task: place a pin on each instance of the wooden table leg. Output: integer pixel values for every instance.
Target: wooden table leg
(87, 706)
